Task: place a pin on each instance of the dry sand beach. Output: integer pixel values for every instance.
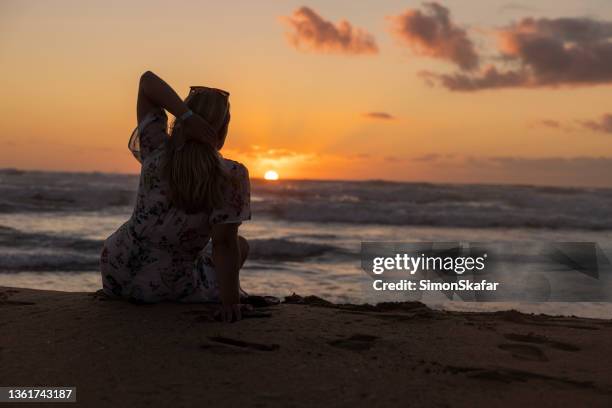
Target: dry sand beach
(304, 352)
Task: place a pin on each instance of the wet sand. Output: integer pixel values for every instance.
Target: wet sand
(303, 353)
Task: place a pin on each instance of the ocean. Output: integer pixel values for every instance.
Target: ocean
(305, 235)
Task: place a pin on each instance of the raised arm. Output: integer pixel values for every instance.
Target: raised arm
(155, 93)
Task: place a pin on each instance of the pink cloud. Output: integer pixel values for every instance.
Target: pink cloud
(311, 32)
(549, 123)
(543, 52)
(379, 115)
(603, 124)
(431, 32)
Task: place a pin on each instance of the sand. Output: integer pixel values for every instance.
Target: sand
(302, 354)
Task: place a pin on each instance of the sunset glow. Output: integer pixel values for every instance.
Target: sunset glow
(372, 98)
(271, 175)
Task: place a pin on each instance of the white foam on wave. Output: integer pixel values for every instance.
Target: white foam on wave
(384, 203)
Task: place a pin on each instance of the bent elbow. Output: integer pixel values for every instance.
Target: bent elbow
(147, 76)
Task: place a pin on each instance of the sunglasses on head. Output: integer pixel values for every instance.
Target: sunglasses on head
(197, 89)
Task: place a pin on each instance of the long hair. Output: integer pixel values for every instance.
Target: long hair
(194, 170)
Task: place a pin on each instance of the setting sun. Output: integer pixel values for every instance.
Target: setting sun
(271, 175)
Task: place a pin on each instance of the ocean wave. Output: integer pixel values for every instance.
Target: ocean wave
(284, 249)
(463, 206)
(14, 238)
(21, 251)
(347, 202)
(48, 191)
(40, 260)
(448, 216)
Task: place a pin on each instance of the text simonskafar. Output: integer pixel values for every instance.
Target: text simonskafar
(414, 264)
(426, 284)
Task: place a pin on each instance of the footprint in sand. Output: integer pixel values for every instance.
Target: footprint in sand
(524, 352)
(15, 303)
(356, 342)
(4, 299)
(243, 344)
(534, 338)
(509, 375)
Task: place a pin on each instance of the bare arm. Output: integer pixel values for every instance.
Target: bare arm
(226, 258)
(155, 93)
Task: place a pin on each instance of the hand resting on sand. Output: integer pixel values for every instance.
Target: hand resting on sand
(231, 313)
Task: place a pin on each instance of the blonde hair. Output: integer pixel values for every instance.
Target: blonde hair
(194, 170)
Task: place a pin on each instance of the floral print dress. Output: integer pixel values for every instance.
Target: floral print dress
(162, 253)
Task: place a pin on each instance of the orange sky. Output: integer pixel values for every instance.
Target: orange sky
(69, 73)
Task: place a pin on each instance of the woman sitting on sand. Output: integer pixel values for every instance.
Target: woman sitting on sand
(188, 195)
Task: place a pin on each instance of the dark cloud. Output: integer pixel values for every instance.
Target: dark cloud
(603, 124)
(379, 115)
(427, 157)
(431, 32)
(313, 33)
(549, 123)
(559, 171)
(490, 77)
(544, 52)
(552, 124)
(589, 171)
(395, 159)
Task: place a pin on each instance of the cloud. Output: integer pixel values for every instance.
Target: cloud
(549, 123)
(427, 157)
(490, 77)
(379, 115)
(549, 170)
(543, 52)
(560, 51)
(431, 32)
(312, 32)
(430, 166)
(257, 152)
(392, 158)
(603, 124)
(552, 124)
(557, 171)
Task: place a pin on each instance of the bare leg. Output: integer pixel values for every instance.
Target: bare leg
(243, 244)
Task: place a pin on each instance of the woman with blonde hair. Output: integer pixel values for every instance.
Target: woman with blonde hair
(189, 197)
